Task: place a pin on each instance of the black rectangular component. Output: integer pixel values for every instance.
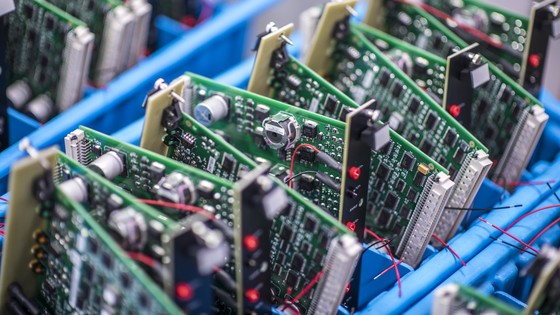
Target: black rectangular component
(427, 146)
(307, 154)
(262, 112)
(419, 179)
(461, 152)
(405, 212)
(383, 171)
(309, 129)
(431, 121)
(489, 132)
(331, 104)
(287, 232)
(293, 82)
(397, 89)
(414, 105)
(298, 262)
(391, 200)
(281, 258)
(188, 140)
(307, 183)
(399, 186)
(450, 137)
(310, 223)
(387, 148)
(408, 161)
(506, 95)
(227, 163)
(384, 77)
(292, 279)
(383, 218)
(412, 194)
(324, 238)
(482, 107)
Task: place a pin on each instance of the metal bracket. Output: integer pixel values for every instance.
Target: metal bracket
(466, 71)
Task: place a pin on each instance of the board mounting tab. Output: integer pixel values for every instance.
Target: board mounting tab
(466, 71)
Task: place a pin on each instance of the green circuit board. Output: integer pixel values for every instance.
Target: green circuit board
(507, 27)
(409, 111)
(454, 299)
(301, 237)
(497, 110)
(102, 197)
(355, 66)
(75, 266)
(512, 119)
(41, 40)
(146, 173)
(399, 184)
(95, 15)
(282, 77)
(426, 69)
(162, 235)
(102, 270)
(347, 59)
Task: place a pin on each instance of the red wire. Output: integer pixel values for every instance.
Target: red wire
(387, 269)
(445, 16)
(179, 207)
(147, 260)
(370, 232)
(306, 288)
(531, 212)
(544, 230)
(294, 159)
(450, 249)
(4, 199)
(508, 234)
(205, 13)
(516, 184)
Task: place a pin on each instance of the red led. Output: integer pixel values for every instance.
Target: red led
(252, 295)
(251, 242)
(348, 288)
(354, 172)
(534, 60)
(351, 226)
(183, 291)
(455, 110)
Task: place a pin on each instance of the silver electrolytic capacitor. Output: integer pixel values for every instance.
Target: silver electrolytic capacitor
(211, 110)
(109, 165)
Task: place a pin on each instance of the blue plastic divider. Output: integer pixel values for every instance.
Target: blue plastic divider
(116, 106)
